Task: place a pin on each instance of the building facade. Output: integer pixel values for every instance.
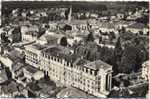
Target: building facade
(29, 33)
(91, 77)
(68, 69)
(145, 69)
(32, 54)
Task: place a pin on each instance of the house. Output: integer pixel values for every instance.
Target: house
(42, 88)
(107, 27)
(29, 33)
(31, 73)
(6, 61)
(79, 25)
(3, 76)
(145, 70)
(50, 38)
(17, 73)
(53, 25)
(120, 15)
(11, 57)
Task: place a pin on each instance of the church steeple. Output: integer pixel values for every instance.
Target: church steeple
(70, 14)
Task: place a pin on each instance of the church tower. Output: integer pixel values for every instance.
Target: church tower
(70, 14)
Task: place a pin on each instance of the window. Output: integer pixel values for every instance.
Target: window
(99, 82)
(83, 69)
(86, 70)
(71, 65)
(95, 73)
(91, 72)
(107, 82)
(48, 57)
(98, 89)
(67, 63)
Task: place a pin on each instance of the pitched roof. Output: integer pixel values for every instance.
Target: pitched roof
(17, 66)
(107, 25)
(49, 38)
(30, 69)
(38, 46)
(138, 26)
(79, 22)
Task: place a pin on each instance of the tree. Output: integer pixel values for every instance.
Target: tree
(90, 37)
(123, 30)
(128, 60)
(16, 35)
(140, 32)
(111, 35)
(63, 41)
(100, 39)
(130, 52)
(118, 51)
(41, 32)
(4, 39)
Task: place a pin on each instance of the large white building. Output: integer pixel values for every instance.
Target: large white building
(68, 69)
(71, 70)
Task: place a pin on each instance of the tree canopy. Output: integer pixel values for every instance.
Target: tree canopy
(63, 41)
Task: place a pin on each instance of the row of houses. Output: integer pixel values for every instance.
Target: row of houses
(31, 32)
(104, 26)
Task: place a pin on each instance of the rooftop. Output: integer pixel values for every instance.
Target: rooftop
(138, 26)
(72, 93)
(107, 25)
(14, 55)
(79, 22)
(81, 61)
(98, 64)
(30, 68)
(17, 66)
(49, 38)
(38, 46)
(57, 49)
(61, 52)
(10, 87)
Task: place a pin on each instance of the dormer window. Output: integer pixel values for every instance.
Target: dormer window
(54, 59)
(86, 70)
